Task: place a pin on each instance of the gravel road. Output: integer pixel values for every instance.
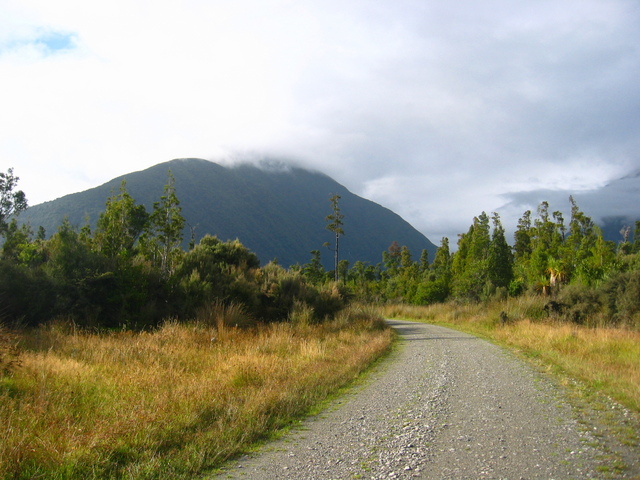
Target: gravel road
(445, 405)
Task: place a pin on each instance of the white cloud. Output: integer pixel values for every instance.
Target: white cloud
(437, 110)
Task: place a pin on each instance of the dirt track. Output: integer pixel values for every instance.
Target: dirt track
(445, 405)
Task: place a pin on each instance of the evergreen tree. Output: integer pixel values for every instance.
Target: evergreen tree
(17, 238)
(314, 271)
(522, 245)
(500, 258)
(436, 286)
(120, 225)
(406, 261)
(163, 237)
(335, 225)
(470, 262)
(424, 261)
(11, 202)
(480, 240)
(391, 259)
(442, 262)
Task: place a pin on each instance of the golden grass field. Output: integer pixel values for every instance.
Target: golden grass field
(172, 402)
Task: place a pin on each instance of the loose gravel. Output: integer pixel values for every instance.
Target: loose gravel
(445, 405)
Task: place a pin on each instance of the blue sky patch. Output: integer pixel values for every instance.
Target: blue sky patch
(56, 41)
(48, 42)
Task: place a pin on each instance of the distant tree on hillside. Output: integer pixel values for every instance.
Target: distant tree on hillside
(120, 225)
(335, 225)
(163, 238)
(12, 202)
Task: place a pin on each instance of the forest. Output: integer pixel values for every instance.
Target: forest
(131, 271)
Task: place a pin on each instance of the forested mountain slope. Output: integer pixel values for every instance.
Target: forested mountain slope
(276, 211)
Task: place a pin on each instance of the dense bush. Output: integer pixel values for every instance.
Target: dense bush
(581, 304)
(622, 294)
(132, 273)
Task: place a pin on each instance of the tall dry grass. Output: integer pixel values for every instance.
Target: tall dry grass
(606, 359)
(168, 403)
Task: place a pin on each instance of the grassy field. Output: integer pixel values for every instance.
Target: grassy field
(169, 403)
(606, 360)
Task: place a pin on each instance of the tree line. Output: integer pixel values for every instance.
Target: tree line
(132, 271)
(569, 262)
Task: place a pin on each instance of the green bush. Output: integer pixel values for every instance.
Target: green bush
(26, 296)
(622, 294)
(581, 304)
(431, 292)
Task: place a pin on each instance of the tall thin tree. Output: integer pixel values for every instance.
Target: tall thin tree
(335, 224)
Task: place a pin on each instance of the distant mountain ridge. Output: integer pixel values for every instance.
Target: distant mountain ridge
(277, 211)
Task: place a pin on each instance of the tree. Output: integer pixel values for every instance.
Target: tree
(17, 238)
(120, 225)
(392, 258)
(500, 259)
(11, 202)
(314, 271)
(164, 234)
(522, 245)
(424, 261)
(335, 226)
(442, 262)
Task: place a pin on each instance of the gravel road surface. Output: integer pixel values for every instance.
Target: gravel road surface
(445, 405)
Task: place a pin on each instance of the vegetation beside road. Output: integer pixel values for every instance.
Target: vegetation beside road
(172, 402)
(606, 359)
(122, 355)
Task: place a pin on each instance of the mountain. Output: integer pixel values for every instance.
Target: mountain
(618, 205)
(275, 210)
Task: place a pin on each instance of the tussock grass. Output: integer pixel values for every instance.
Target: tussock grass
(172, 402)
(606, 359)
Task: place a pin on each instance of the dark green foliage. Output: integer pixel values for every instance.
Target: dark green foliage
(500, 257)
(216, 270)
(12, 202)
(162, 240)
(16, 239)
(484, 260)
(26, 296)
(580, 304)
(132, 271)
(314, 271)
(282, 290)
(431, 291)
(623, 298)
(120, 225)
(117, 278)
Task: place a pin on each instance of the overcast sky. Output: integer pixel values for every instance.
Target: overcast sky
(437, 110)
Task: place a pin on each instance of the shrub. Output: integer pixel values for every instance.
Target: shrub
(285, 291)
(431, 292)
(622, 293)
(219, 315)
(584, 305)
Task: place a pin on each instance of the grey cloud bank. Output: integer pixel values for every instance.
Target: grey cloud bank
(436, 110)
